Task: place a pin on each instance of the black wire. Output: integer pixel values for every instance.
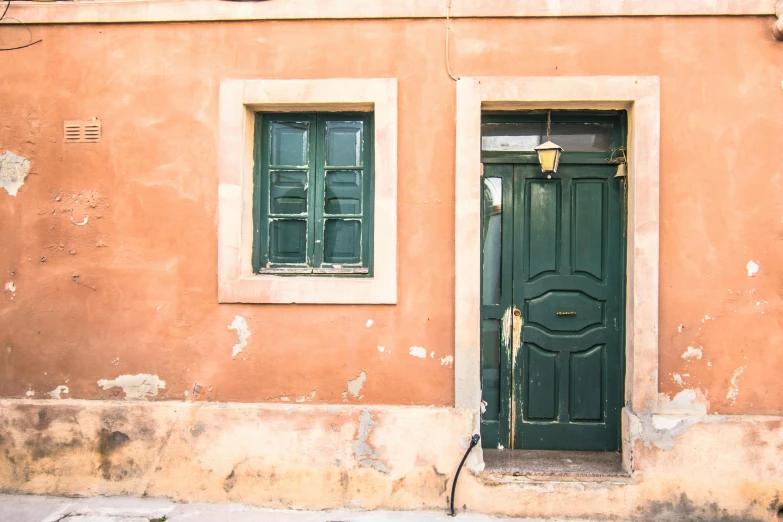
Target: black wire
(19, 22)
(473, 441)
(20, 47)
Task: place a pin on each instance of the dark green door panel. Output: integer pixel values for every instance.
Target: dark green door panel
(587, 372)
(563, 311)
(496, 294)
(568, 277)
(553, 249)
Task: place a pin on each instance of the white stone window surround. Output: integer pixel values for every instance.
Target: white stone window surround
(239, 101)
(640, 96)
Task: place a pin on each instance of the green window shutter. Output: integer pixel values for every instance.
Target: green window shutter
(313, 193)
(343, 191)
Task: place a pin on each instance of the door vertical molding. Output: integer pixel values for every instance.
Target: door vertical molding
(640, 96)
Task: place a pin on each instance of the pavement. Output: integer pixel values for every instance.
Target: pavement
(30, 508)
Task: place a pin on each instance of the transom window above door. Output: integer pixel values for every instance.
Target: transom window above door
(313, 194)
(593, 132)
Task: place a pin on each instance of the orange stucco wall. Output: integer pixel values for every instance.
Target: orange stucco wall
(145, 299)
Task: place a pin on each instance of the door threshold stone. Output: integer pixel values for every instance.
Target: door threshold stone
(551, 464)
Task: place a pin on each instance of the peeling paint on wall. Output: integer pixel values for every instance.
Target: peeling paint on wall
(678, 379)
(29, 393)
(692, 352)
(366, 455)
(10, 287)
(733, 392)
(243, 332)
(381, 349)
(13, 171)
(418, 351)
(752, 267)
(139, 386)
(665, 422)
(355, 385)
(82, 222)
(55, 393)
(687, 402)
(368, 323)
(305, 398)
(447, 361)
(660, 431)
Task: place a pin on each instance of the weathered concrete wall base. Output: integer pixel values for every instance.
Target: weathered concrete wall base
(271, 455)
(710, 468)
(316, 457)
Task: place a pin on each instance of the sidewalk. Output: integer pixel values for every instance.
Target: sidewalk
(29, 508)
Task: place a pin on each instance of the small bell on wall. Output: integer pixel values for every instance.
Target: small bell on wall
(619, 158)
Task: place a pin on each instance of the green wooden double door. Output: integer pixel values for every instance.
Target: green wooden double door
(553, 276)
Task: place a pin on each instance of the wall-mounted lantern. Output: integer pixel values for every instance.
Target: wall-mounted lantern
(548, 152)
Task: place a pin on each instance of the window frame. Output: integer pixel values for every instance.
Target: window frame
(240, 100)
(316, 217)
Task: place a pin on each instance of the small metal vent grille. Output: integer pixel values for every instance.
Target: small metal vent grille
(82, 131)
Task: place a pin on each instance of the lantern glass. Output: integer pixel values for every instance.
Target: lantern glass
(549, 156)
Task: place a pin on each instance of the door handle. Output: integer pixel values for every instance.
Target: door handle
(565, 313)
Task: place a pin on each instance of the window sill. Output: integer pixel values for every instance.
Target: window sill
(314, 271)
(587, 466)
(307, 289)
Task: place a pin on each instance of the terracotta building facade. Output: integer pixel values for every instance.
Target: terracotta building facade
(297, 253)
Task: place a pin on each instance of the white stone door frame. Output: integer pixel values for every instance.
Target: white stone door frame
(640, 96)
